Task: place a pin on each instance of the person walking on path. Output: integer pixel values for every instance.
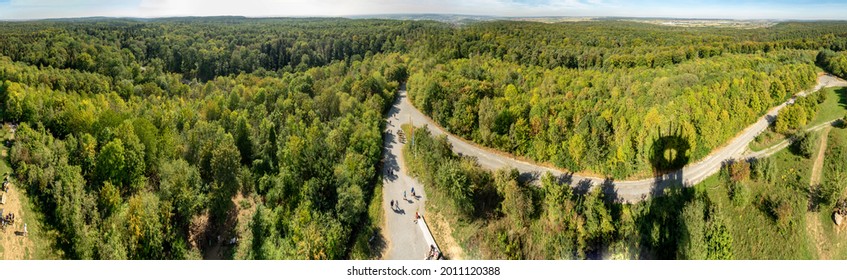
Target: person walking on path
(404, 194)
(392, 204)
(413, 192)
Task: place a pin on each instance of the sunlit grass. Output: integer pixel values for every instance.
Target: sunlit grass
(834, 107)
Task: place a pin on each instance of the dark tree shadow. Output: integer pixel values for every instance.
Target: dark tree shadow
(221, 230)
(487, 200)
(529, 177)
(389, 164)
(660, 224)
(565, 178)
(583, 186)
(377, 243)
(770, 118)
(842, 97)
(610, 192)
(839, 124)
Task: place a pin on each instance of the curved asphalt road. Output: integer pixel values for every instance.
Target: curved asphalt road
(405, 240)
(623, 191)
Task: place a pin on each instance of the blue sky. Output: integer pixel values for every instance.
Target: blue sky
(734, 9)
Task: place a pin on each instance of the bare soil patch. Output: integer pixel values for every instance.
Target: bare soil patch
(830, 242)
(815, 229)
(216, 243)
(442, 232)
(15, 246)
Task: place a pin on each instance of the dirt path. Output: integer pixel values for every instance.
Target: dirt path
(829, 241)
(817, 168)
(769, 151)
(824, 247)
(815, 230)
(13, 245)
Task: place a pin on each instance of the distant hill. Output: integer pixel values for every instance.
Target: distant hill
(448, 18)
(684, 22)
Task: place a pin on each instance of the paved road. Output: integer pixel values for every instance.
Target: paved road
(405, 239)
(624, 191)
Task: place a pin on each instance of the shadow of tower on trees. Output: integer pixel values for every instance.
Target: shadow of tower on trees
(658, 226)
(669, 153)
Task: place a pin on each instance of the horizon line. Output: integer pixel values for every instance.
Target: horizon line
(375, 16)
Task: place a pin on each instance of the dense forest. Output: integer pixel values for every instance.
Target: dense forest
(594, 96)
(833, 62)
(123, 178)
(124, 154)
(606, 120)
(139, 139)
(202, 48)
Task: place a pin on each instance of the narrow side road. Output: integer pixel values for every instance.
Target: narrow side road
(769, 151)
(404, 237)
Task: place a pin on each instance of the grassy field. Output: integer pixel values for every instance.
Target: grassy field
(829, 239)
(756, 234)
(803, 234)
(834, 107)
(41, 239)
(766, 139)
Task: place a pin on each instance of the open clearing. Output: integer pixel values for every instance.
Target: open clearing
(38, 244)
(14, 245)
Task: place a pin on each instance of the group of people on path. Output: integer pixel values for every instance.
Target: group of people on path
(413, 194)
(397, 203)
(6, 183)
